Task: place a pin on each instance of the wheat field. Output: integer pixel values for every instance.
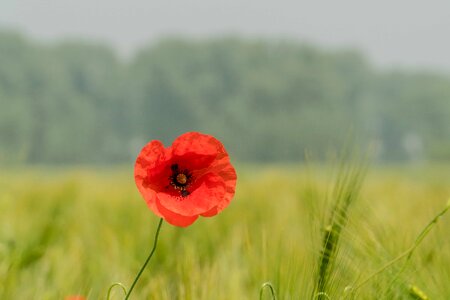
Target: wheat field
(76, 231)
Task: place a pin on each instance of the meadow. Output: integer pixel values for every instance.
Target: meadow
(67, 231)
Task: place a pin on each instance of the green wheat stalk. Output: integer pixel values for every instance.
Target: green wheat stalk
(345, 192)
(408, 253)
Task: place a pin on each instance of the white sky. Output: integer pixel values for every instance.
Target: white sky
(413, 33)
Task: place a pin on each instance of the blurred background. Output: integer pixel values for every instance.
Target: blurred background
(85, 82)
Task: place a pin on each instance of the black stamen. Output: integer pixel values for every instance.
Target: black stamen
(180, 179)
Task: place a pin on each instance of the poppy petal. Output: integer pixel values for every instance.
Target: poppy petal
(225, 171)
(174, 218)
(210, 213)
(148, 158)
(195, 142)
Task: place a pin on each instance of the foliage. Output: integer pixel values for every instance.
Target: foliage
(76, 102)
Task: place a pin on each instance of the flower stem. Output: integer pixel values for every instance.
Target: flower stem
(272, 290)
(148, 259)
(108, 296)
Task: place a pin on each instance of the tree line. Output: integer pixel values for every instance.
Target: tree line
(267, 100)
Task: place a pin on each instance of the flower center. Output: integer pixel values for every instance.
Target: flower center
(181, 178)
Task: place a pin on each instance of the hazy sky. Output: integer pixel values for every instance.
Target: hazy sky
(414, 33)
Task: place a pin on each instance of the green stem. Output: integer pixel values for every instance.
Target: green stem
(419, 239)
(408, 253)
(272, 290)
(148, 259)
(108, 296)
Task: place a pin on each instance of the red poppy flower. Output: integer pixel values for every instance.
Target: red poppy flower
(191, 178)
